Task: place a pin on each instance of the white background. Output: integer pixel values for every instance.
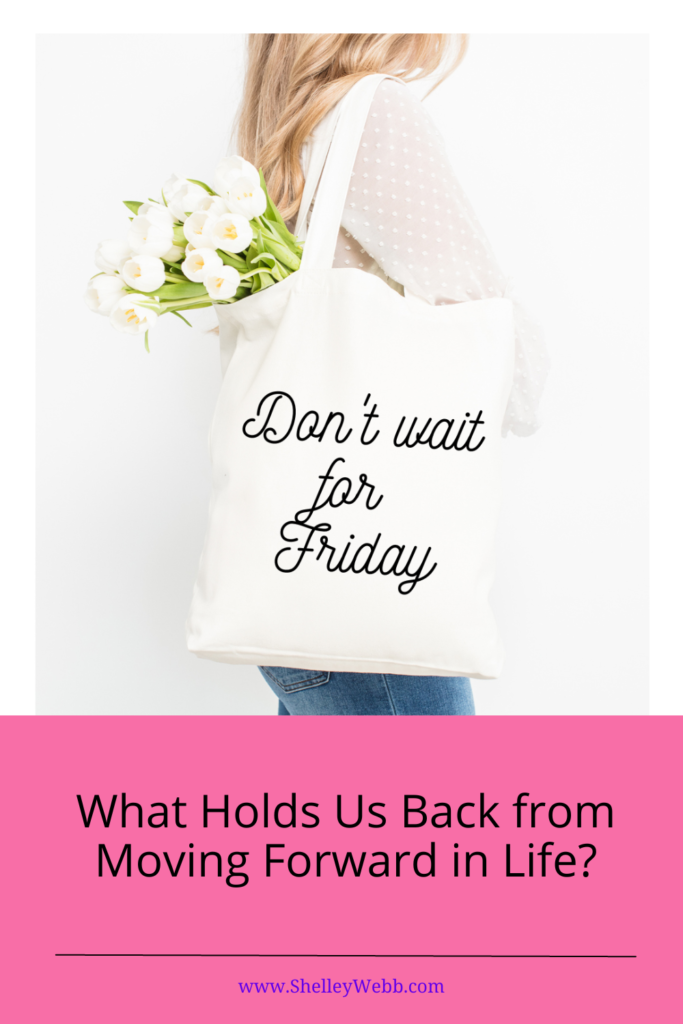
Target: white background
(548, 134)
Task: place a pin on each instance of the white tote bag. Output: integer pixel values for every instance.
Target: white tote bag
(355, 448)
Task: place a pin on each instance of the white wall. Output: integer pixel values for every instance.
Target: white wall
(548, 135)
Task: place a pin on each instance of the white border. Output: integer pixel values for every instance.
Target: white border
(21, 274)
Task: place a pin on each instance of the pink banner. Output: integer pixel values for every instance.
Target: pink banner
(198, 869)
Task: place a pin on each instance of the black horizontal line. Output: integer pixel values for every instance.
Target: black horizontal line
(387, 956)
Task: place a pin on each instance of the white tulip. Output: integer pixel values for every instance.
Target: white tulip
(130, 316)
(229, 170)
(198, 228)
(144, 273)
(161, 213)
(174, 254)
(111, 254)
(172, 185)
(151, 234)
(103, 293)
(185, 200)
(232, 233)
(189, 248)
(222, 284)
(247, 198)
(201, 262)
(214, 205)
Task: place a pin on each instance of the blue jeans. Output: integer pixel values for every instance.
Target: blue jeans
(310, 692)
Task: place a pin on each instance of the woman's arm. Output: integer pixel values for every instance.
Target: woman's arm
(406, 210)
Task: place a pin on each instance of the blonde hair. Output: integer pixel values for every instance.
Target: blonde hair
(293, 80)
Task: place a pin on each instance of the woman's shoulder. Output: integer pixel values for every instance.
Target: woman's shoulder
(393, 95)
(394, 107)
(397, 109)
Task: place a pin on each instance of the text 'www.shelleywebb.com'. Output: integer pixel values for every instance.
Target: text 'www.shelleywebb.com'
(357, 986)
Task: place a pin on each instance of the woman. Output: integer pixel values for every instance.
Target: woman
(406, 220)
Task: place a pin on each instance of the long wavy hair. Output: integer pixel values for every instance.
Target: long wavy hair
(293, 80)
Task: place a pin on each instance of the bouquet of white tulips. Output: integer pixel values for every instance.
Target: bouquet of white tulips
(195, 247)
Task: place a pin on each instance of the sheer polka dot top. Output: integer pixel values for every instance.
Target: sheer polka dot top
(407, 219)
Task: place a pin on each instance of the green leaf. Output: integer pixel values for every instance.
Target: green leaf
(283, 254)
(176, 313)
(203, 185)
(282, 234)
(251, 252)
(180, 291)
(272, 266)
(271, 212)
(265, 257)
(281, 243)
(132, 205)
(173, 307)
(231, 259)
(260, 278)
(147, 340)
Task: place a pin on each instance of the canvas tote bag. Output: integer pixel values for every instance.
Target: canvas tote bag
(355, 448)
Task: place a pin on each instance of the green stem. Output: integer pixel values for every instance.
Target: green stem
(174, 306)
(163, 307)
(180, 317)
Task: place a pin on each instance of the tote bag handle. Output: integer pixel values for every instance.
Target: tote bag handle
(335, 175)
(320, 145)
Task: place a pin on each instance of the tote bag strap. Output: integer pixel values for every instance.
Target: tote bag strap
(335, 175)
(319, 148)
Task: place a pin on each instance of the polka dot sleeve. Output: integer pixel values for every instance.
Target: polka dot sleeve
(407, 219)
